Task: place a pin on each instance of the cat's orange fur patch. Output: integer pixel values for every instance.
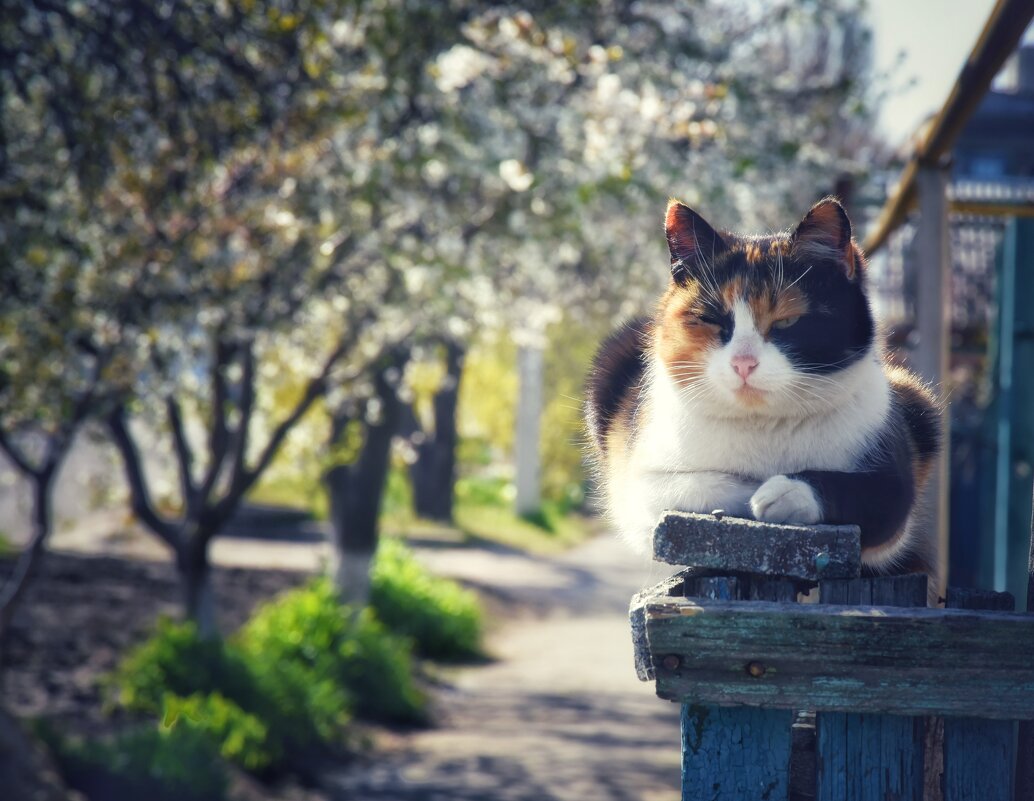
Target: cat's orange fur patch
(682, 340)
(753, 253)
(732, 291)
(768, 310)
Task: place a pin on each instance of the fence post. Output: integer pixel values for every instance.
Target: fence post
(530, 369)
(865, 757)
(978, 754)
(736, 753)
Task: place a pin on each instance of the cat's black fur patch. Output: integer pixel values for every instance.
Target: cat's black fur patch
(618, 366)
(836, 332)
(923, 419)
(877, 498)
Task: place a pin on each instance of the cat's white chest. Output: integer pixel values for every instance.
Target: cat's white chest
(677, 436)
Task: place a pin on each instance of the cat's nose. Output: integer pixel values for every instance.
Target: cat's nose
(744, 365)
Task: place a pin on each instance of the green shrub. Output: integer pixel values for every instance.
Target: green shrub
(159, 764)
(309, 628)
(241, 737)
(176, 661)
(442, 618)
(255, 710)
(288, 680)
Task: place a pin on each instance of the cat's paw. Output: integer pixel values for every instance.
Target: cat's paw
(782, 499)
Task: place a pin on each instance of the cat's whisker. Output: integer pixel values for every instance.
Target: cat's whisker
(799, 277)
(802, 394)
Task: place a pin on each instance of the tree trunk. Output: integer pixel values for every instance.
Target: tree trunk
(26, 769)
(434, 472)
(13, 590)
(530, 369)
(196, 581)
(356, 489)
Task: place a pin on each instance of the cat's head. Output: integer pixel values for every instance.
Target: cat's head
(766, 325)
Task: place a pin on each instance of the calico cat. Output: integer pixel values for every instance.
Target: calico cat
(759, 387)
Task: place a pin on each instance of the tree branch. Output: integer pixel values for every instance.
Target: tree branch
(218, 432)
(15, 454)
(247, 406)
(140, 498)
(16, 585)
(316, 387)
(184, 456)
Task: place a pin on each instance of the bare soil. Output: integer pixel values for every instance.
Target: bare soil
(83, 611)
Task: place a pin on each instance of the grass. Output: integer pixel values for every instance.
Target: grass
(483, 513)
(442, 619)
(293, 491)
(505, 527)
(547, 533)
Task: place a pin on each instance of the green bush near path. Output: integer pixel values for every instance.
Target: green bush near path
(309, 629)
(443, 619)
(285, 688)
(257, 713)
(156, 763)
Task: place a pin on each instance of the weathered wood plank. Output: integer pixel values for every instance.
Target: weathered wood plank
(978, 758)
(671, 586)
(978, 754)
(732, 754)
(696, 583)
(867, 757)
(735, 754)
(841, 658)
(908, 590)
(734, 545)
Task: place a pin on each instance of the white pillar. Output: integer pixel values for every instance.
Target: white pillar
(530, 366)
(933, 327)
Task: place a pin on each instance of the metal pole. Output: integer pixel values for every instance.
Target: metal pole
(933, 326)
(1003, 467)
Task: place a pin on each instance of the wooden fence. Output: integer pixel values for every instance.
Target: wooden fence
(866, 694)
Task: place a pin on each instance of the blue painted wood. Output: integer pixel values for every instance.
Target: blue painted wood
(867, 757)
(735, 754)
(978, 754)
(978, 759)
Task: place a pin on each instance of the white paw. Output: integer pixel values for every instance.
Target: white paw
(786, 500)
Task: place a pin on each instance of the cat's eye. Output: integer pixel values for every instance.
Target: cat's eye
(786, 322)
(700, 318)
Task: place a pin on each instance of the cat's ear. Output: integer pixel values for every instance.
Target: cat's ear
(825, 235)
(692, 241)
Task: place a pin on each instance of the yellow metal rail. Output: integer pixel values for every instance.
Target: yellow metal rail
(998, 39)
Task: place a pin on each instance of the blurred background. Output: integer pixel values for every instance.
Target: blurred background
(296, 305)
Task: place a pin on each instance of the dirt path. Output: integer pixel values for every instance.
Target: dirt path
(559, 715)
